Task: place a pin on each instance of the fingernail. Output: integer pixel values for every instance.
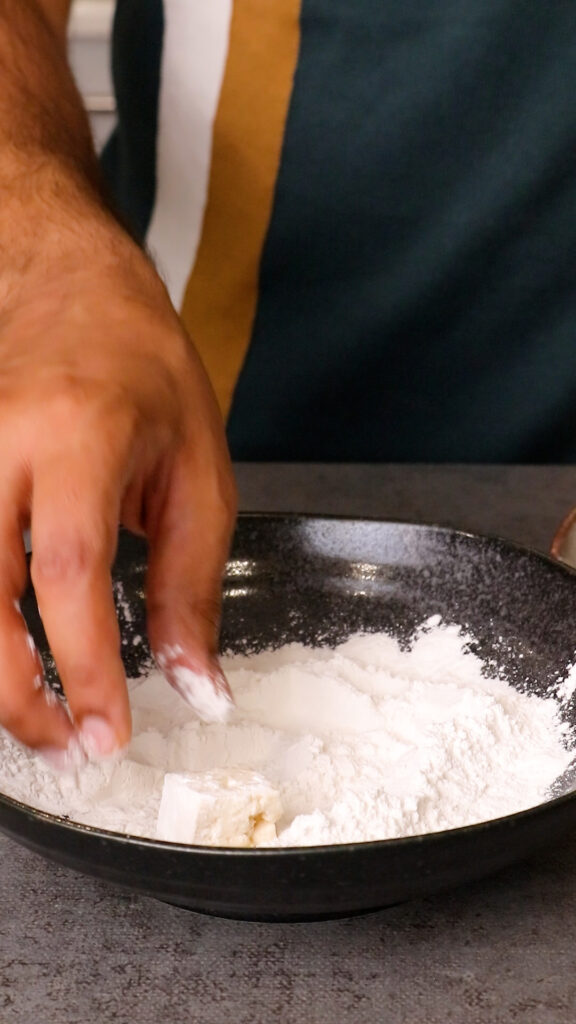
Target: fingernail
(96, 737)
(207, 693)
(66, 761)
(206, 696)
(222, 686)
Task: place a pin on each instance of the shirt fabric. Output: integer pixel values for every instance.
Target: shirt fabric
(366, 213)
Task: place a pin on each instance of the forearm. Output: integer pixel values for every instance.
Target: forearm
(41, 113)
(48, 167)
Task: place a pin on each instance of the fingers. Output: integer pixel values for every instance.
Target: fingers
(28, 709)
(189, 544)
(75, 513)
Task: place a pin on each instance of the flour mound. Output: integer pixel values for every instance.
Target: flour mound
(366, 741)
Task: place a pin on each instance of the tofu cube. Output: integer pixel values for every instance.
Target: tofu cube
(218, 808)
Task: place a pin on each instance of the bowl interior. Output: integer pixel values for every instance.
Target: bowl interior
(318, 580)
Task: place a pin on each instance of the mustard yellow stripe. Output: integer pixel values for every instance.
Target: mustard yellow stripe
(222, 293)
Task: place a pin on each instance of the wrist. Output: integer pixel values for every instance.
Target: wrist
(56, 228)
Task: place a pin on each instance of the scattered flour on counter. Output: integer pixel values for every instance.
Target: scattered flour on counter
(365, 741)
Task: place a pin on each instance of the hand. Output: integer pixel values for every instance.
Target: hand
(106, 416)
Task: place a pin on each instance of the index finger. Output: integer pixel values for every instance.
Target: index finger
(75, 512)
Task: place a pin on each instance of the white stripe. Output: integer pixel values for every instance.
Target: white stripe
(194, 57)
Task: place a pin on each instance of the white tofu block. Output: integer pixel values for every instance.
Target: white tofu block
(218, 808)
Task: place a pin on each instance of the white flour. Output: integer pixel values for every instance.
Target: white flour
(367, 741)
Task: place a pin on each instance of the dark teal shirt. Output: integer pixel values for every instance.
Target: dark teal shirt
(418, 281)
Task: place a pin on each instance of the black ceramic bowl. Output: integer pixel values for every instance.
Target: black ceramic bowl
(318, 580)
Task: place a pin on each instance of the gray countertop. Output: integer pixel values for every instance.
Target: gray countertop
(502, 950)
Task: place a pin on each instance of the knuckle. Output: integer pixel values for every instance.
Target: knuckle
(82, 404)
(68, 402)
(207, 610)
(62, 560)
(120, 425)
(84, 686)
(191, 609)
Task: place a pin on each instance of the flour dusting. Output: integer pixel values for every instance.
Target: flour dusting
(364, 741)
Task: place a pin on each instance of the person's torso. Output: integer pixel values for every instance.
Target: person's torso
(367, 214)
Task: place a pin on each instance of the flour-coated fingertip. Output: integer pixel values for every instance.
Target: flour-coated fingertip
(204, 694)
(206, 691)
